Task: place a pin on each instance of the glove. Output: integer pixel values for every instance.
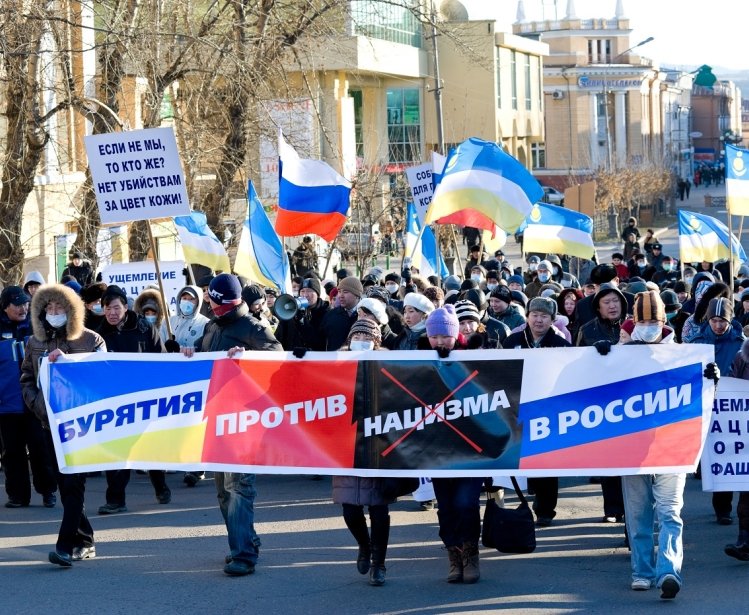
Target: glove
(171, 345)
(712, 372)
(443, 353)
(299, 352)
(603, 347)
(475, 342)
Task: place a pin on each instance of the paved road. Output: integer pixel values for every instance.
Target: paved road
(168, 559)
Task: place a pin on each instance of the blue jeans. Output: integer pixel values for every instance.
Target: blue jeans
(236, 499)
(643, 496)
(459, 509)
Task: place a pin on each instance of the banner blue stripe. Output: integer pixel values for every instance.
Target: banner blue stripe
(594, 401)
(68, 380)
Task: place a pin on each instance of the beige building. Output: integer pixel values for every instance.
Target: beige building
(604, 105)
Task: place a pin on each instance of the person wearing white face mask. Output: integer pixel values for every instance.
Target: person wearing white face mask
(353, 493)
(543, 275)
(57, 319)
(91, 296)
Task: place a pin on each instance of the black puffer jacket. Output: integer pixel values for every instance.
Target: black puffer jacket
(305, 329)
(237, 328)
(133, 334)
(597, 330)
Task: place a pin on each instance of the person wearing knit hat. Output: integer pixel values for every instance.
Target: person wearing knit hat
(419, 303)
(351, 285)
(542, 276)
(91, 296)
(649, 316)
(364, 330)
(501, 307)
(471, 326)
(720, 308)
(515, 282)
(443, 328)
(337, 322)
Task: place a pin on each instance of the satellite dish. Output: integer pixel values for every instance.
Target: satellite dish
(695, 135)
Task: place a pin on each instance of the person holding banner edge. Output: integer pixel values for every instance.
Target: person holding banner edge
(57, 315)
(233, 329)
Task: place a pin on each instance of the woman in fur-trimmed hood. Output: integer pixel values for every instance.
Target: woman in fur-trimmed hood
(150, 299)
(62, 330)
(57, 314)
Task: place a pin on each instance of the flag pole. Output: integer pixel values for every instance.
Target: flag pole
(730, 253)
(158, 277)
(437, 253)
(457, 249)
(330, 257)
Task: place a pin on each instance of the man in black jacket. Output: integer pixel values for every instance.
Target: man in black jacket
(235, 330)
(125, 331)
(304, 330)
(337, 322)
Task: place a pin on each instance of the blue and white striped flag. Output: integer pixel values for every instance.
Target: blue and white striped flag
(737, 180)
(703, 238)
(423, 252)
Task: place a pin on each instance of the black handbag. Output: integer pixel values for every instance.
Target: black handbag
(396, 486)
(509, 530)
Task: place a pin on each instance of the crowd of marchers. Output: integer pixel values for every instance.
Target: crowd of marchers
(549, 301)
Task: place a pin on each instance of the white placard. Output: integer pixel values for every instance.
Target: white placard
(422, 188)
(134, 278)
(137, 175)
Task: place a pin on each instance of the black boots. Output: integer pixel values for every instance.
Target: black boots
(357, 525)
(741, 549)
(362, 559)
(455, 574)
(380, 537)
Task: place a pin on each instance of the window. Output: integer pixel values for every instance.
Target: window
(599, 51)
(527, 72)
(538, 155)
(387, 22)
(358, 131)
(404, 125)
(514, 78)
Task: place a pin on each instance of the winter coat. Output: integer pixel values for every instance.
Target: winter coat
(73, 338)
(187, 330)
(133, 334)
(359, 491)
(524, 339)
(83, 273)
(335, 327)
(511, 317)
(496, 332)
(413, 340)
(726, 345)
(237, 328)
(597, 330)
(305, 329)
(13, 337)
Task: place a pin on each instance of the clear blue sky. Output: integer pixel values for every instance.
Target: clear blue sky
(686, 32)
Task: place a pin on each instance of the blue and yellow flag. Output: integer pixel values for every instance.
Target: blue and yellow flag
(199, 243)
(556, 230)
(703, 238)
(423, 251)
(737, 180)
(260, 255)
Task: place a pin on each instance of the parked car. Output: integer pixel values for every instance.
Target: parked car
(552, 196)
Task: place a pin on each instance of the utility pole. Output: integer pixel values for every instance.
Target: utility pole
(437, 84)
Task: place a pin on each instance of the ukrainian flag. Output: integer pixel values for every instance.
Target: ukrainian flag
(737, 180)
(199, 243)
(703, 238)
(483, 186)
(261, 256)
(556, 230)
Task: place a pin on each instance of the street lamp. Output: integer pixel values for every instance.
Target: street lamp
(605, 95)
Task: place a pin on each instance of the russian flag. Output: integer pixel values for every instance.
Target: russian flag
(483, 186)
(260, 254)
(312, 197)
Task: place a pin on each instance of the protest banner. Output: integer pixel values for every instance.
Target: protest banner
(134, 278)
(554, 412)
(725, 465)
(422, 188)
(137, 175)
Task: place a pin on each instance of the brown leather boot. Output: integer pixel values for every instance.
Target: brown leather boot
(470, 554)
(455, 575)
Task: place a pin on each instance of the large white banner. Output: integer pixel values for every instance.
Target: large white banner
(137, 175)
(725, 459)
(134, 278)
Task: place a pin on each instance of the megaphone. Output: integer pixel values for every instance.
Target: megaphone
(286, 306)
